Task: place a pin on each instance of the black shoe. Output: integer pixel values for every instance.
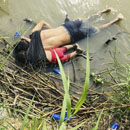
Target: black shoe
(75, 47)
(79, 51)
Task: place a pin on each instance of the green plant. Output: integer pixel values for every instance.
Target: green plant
(67, 100)
(11, 46)
(26, 116)
(97, 123)
(86, 85)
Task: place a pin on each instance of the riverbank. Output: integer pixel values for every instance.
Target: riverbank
(19, 85)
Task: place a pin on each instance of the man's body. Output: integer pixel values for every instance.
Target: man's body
(55, 37)
(51, 37)
(70, 32)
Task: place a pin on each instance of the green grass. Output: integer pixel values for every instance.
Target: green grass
(22, 32)
(121, 95)
(67, 101)
(98, 121)
(26, 115)
(86, 85)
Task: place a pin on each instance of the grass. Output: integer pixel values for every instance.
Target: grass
(10, 49)
(86, 85)
(67, 101)
(21, 86)
(98, 121)
(26, 115)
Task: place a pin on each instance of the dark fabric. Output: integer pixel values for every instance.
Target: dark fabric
(77, 30)
(35, 54)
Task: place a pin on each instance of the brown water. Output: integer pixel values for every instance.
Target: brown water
(12, 13)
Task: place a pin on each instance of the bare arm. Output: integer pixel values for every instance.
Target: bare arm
(40, 25)
(25, 38)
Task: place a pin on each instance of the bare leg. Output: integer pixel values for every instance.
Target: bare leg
(100, 13)
(73, 54)
(69, 47)
(116, 20)
(72, 46)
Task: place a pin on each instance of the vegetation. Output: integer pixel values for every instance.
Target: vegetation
(67, 100)
(33, 96)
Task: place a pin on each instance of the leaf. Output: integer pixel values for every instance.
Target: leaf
(98, 121)
(67, 100)
(26, 116)
(76, 127)
(63, 126)
(86, 85)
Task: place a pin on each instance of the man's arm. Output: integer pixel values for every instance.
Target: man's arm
(25, 38)
(40, 25)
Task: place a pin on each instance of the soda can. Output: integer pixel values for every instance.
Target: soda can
(114, 126)
(57, 117)
(57, 71)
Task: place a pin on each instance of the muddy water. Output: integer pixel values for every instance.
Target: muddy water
(12, 13)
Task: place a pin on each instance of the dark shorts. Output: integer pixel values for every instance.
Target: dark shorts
(35, 53)
(78, 31)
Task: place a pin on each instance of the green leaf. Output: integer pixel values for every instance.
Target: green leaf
(3, 63)
(26, 116)
(44, 125)
(63, 126)
(63, 112)
(98, 121)
(11, 125)
(86, 85)
(67, 100)
(76, 127)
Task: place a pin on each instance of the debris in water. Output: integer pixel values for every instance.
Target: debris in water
(17, 34)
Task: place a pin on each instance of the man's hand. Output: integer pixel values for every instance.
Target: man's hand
(40, 25)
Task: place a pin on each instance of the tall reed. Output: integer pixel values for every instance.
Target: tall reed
(67, 100)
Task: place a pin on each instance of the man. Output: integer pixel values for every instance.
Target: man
(50, 54)
(68, 33)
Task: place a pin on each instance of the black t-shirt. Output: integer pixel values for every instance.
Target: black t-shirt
(35, 54)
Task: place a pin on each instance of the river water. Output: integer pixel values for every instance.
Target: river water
(12, 13)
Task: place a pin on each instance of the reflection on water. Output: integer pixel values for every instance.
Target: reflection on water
(54, 11)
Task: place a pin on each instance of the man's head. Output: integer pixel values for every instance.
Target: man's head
(20, 51)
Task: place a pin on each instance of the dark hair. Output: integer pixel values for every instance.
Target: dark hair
(21, 45)
(20, 51)
(21, 57)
